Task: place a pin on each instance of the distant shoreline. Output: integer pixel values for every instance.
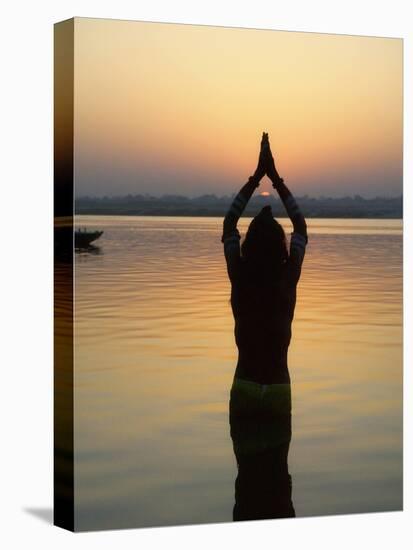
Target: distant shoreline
(213, 206)
(194, 215)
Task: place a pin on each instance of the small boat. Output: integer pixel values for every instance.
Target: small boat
(84, 238)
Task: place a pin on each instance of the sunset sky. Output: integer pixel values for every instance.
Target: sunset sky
(179, 109)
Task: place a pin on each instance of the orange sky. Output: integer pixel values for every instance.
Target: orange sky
(166, 108)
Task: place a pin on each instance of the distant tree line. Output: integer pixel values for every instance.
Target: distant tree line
(211, 205)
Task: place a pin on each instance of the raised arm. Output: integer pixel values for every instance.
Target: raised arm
(231, 236)
(291, 207)
(238, 206)
(299, 236)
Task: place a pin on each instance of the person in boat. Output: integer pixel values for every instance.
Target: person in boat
(264, 275)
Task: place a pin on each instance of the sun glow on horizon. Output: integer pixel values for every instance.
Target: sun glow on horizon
(170, 108)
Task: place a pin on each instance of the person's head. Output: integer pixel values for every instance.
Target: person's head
(264, 248)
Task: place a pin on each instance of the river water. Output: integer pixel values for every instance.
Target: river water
(155, 357)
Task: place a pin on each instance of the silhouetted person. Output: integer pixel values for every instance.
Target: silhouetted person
(264, 277)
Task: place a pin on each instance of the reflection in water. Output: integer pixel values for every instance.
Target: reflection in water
(91, 249)
(260, 421)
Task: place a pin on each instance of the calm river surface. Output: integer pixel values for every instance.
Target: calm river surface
(155, 357)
